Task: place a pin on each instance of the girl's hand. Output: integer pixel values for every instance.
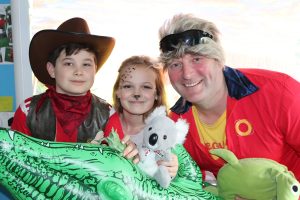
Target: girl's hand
(130, 150)
(172, 165)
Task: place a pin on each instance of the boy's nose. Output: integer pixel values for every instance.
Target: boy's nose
(78, 71)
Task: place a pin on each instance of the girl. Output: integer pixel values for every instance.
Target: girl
(138, 90)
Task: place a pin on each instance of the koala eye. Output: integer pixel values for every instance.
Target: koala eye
(165, 137)
(150, 128)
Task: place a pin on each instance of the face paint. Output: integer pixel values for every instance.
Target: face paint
(127, 73)
(137, 89)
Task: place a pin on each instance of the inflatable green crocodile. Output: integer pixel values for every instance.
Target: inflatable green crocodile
(38, 169)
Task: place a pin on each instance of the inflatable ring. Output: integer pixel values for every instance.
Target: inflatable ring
(39, 169)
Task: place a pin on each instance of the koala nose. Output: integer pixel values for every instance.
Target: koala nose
(153, 139)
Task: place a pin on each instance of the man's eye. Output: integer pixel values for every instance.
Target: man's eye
(175, 66)
(197, 59)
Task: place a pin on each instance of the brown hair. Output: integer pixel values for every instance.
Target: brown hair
(71, 48)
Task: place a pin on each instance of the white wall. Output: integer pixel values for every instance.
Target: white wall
(257, 34)
(21, 38)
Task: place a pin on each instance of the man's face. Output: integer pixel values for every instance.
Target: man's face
(74, 74)
(197, 78)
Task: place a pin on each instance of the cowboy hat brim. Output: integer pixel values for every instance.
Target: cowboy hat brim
(46, 41)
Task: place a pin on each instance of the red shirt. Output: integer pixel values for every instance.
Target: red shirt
(114, 123)
(260, 123)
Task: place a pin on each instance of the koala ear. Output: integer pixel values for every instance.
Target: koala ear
(159, 111)
(182, 129)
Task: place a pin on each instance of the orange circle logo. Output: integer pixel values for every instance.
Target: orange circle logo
(243, 127)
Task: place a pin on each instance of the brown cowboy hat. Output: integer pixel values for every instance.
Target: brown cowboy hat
(74, 30)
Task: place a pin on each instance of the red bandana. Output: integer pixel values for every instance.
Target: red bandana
(70, 111)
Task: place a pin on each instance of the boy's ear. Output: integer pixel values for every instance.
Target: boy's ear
(50, 69)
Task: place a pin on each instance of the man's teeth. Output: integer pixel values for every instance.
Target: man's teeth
(191, 84)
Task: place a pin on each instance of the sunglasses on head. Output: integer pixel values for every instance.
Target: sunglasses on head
(190, 38)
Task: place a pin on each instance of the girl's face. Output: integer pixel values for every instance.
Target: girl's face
(137, 90)
(74, 74)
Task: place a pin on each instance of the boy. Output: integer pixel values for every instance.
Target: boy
(66, 61)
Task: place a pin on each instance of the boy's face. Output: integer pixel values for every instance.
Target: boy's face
(74, 74)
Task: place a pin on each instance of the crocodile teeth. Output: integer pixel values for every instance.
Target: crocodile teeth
(11, 134)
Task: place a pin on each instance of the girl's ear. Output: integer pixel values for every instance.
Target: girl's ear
(50, 69)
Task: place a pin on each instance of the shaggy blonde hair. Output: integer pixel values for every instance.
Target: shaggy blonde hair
(182, 22)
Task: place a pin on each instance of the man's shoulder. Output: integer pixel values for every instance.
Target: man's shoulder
(264, 74)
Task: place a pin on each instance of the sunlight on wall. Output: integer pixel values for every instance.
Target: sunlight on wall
(254, 34)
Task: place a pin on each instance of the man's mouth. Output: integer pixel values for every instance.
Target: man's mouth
(192, 84)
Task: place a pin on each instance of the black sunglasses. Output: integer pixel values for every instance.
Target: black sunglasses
(190, 38)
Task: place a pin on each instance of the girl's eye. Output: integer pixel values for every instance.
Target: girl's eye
(126, 86)
(147, 87)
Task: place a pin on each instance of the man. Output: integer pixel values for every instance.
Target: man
(252, 112)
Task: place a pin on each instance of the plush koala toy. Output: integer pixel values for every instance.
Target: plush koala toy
(155, 142)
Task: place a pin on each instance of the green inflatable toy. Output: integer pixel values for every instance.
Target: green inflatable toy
(38, 169)
(255, 178)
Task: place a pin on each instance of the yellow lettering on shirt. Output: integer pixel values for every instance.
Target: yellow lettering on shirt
(212, 136)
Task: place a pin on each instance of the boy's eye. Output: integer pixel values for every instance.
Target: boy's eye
(68, 64)
(87, 64)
